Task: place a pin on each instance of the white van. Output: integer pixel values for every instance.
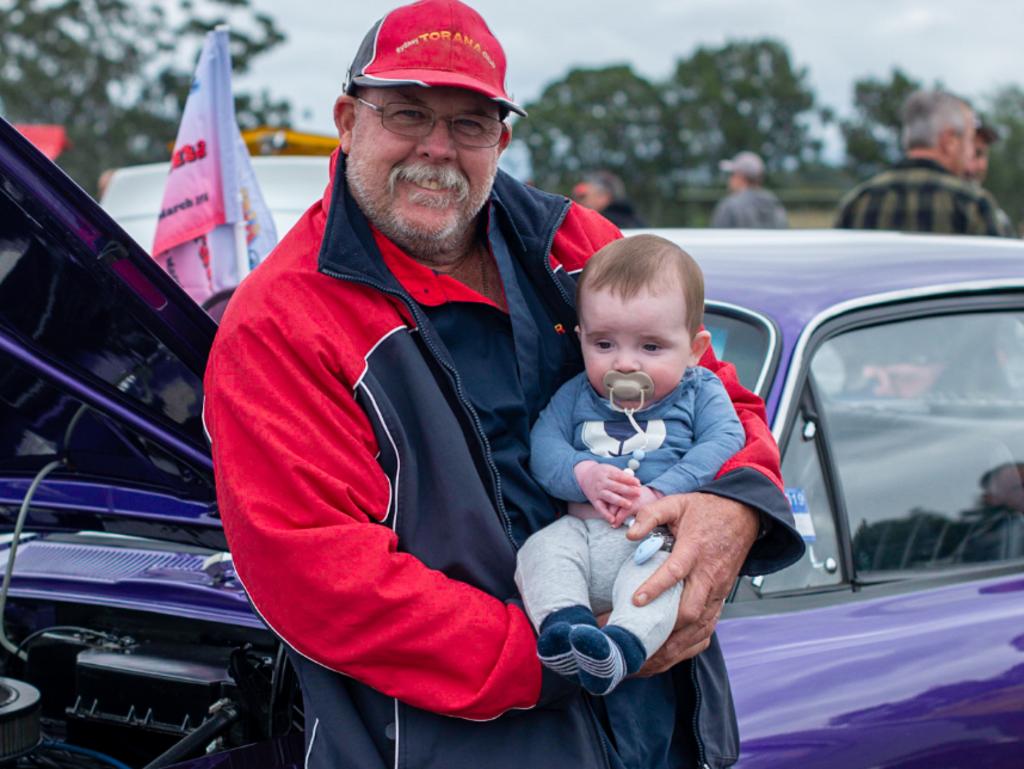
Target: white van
(290, 184)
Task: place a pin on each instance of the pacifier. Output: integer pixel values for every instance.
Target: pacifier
(631, 388)
(628, 388)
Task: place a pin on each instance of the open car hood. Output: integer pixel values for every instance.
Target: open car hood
(101, 355)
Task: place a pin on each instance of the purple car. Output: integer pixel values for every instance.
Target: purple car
(893, 371)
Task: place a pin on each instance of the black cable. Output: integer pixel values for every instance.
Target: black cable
(198, 738)
(277, 676)
(12, 548)
(38, 761)
(31, 637)
(35, 635)
(86, 756)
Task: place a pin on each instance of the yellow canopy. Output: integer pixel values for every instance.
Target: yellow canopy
(283, 141)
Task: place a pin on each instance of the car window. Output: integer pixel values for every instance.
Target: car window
(813, 512)
(925, 422)
(745, 342)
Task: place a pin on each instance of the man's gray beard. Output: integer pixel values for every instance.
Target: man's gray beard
(414, 241)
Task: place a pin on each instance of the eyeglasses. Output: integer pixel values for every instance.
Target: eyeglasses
(467, 129)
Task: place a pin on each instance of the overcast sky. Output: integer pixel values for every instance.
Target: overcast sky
(971, 47)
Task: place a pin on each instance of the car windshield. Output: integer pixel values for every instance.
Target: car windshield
(744, 340)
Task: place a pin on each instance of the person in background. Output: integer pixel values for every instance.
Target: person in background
(748, 204)
(604, 192)
(984, 137)
(927, 191)
(369, 398)
(977, 171)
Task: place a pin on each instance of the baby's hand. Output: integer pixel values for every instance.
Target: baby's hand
(607, 487)
(645, 496)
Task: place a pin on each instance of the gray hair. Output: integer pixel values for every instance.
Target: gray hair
(926, 114)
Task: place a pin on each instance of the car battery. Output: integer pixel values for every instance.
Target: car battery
(151, 687)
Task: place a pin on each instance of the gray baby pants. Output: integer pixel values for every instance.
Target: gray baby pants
(576, 562)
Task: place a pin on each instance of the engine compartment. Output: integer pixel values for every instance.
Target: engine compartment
(139, 688)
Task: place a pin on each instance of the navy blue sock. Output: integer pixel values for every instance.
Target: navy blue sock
(605, 657)
(553, 646)
(633, 652)
(598, 658)
(574, 615)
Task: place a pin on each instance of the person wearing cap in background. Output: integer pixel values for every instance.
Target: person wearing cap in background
(927, 191)
(604, 192)
(369, 397)
(748, 204)
(977, 170)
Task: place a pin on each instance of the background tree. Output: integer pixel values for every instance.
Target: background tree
(607, 118)
(662, 136)
(116, 73)
(745, 95)
(1005, 112)
(872, 135)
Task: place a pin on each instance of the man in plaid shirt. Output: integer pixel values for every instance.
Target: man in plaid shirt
(925, 192)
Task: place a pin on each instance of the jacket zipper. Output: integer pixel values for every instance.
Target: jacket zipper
(454, 376)
(547, 253)
(468, 408)
(701, 755)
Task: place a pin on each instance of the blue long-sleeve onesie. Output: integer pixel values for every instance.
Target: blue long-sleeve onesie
(586, 563)
(690, 434)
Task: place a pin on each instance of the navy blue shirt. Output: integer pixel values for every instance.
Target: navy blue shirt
(507, 405)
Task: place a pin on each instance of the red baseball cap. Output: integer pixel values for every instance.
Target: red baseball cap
(432, 43)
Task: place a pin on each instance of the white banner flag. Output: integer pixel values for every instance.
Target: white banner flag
(214, 225)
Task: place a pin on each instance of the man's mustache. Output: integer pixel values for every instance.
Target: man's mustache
(444, 177)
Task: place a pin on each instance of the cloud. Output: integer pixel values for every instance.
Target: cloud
(914, 20)
(970, 49)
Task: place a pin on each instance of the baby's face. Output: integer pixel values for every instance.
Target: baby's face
(645, 333)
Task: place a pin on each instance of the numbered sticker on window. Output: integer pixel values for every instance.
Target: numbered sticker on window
(801, 514)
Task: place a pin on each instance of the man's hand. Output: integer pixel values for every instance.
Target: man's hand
(607, 487)
(713, 535)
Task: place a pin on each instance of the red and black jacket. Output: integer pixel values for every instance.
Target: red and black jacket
(356, 499)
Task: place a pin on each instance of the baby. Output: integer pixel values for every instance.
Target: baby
(644, 420)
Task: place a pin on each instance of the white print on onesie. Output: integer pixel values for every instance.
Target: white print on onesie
(618, 438)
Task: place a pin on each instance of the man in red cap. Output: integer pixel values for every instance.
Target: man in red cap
(369, 399)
